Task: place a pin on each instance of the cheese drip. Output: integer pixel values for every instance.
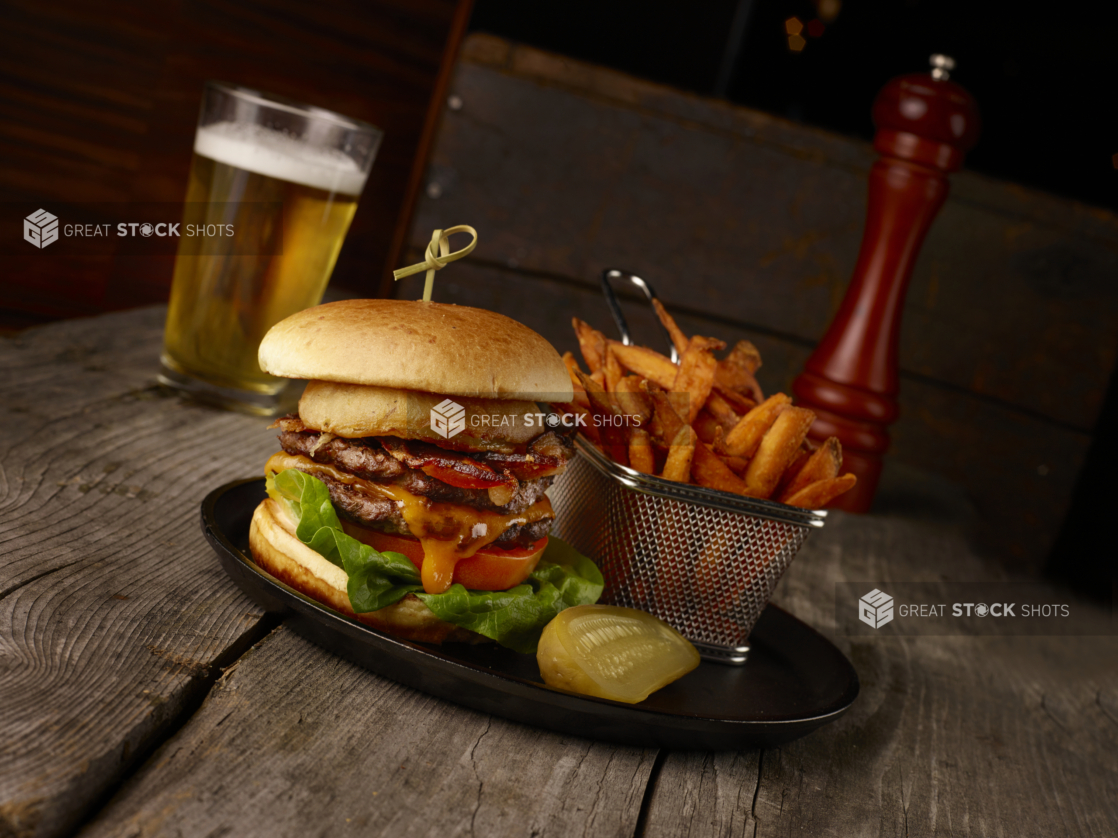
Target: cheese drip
(448, 532)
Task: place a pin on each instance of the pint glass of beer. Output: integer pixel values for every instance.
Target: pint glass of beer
(273, 187)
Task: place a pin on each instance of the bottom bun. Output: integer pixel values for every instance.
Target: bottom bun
(276, 549)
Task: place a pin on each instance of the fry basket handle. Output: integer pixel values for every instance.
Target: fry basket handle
(610, 274)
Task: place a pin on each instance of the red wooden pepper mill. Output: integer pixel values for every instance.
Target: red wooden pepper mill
(925, 126)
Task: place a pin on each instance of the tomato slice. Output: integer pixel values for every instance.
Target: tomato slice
(489, 569)
(494, 569)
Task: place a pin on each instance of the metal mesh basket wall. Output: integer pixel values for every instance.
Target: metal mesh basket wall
(704, 561)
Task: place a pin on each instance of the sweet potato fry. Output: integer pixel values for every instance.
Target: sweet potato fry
(646, 363)
(589, 429)
(640, 451)
(736, 371)
(737, 465)
(708, 470)
(666, 410)
(824, 463)
(632, 400)
(745, 354)
(721, 409)
(592, 343)
(738, 403)
(678, 465)
(610, 422)
(571, 363)
(696, 373)
(612, 370)
(818, 494)
(710, 344)
(777, 450)
(679, 339)
(707, 427)
(736, 380)
(745, 437)
(794, 468)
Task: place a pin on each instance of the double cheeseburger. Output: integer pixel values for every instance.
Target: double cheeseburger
(421, 419)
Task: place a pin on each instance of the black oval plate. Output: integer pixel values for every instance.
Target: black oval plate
(794, 681)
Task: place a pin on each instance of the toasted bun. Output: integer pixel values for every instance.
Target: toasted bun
(276, 549)
(359, 410)
(438, 348)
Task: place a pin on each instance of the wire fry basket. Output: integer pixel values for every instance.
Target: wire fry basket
(702, 560)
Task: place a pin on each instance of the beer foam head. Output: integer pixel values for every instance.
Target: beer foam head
(262, 151)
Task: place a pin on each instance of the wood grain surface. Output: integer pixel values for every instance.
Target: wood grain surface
(116, 622)
(951, 735)
(297, 742)
(743, 218)
(113, 612)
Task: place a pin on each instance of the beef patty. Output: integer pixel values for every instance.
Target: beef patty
(367, 510)
(369, 459)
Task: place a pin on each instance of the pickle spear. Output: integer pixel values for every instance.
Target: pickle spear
(612, 652)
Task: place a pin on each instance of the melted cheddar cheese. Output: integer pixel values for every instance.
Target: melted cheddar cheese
(448, 532)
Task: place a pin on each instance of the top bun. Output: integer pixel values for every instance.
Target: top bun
(415, 345)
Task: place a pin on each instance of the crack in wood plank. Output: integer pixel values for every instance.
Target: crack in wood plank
(757, 789)
(1105, 712)
(6, 592)
(477, 775)
(640, 827)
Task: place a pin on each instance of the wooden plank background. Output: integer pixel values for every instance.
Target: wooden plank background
(99, 101)
(749, 226)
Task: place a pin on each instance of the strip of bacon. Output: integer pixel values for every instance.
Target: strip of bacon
(451, 467)
(546, 455)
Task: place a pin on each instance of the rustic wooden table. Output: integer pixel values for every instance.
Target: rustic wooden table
(142, 694)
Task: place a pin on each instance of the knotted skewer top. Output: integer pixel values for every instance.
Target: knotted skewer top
(438, 256)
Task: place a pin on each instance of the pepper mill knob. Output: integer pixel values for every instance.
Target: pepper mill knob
(926, 118)
(925, 126)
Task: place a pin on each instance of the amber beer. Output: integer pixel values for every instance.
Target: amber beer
(273, 207)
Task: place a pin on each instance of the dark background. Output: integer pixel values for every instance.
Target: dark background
(1043, 76)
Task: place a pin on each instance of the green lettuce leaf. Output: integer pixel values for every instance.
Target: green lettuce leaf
(376, 580)
(514, 618)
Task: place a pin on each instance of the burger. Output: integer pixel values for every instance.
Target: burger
(410, 489)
